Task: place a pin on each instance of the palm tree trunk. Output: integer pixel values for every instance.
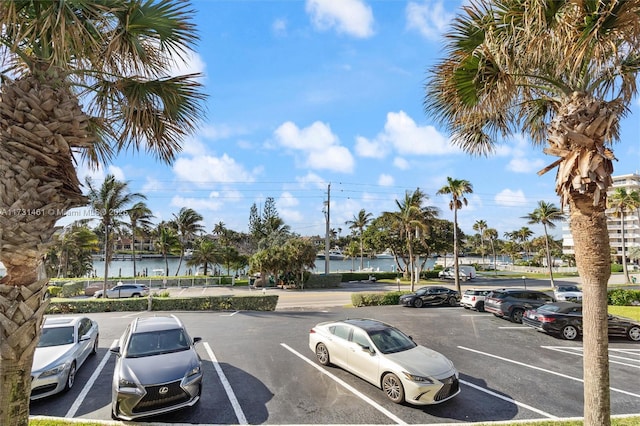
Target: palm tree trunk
(591, 242)
(456, 267)
(625, 268)
(549, 264)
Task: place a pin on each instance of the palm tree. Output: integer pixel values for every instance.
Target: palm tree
(622, 201)
(110, 202)
(481, 226)
(412, 219)
(82, 80)
(139, 218)
(187, 224)
(501, 74)
(205, 253)
(522, 235)
(357, 225)
(456, 188)
(546, 214)
(491, 234)
(167, 242)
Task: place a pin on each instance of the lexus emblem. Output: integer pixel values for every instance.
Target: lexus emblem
(163, 390)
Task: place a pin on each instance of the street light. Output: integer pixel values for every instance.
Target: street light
(524, 280)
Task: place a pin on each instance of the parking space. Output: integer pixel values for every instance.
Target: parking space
(259, 370)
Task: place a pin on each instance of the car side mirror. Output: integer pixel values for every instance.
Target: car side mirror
(115, 350)
(196, 340)
(84, 337)
(368, 349)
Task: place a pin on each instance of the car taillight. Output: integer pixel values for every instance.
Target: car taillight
(542, 318)
(312, 331)
(473, 299)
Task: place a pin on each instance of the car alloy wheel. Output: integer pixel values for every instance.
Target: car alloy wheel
(634, 333)
(71, 377)
(516, 315)
(392, 386)
(452, 301)
(480, 307)
(417, 302)
(570, 332)
(322, 354)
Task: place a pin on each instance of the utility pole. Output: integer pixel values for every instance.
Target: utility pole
(327, 230)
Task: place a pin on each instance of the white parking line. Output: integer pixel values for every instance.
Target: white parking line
(347, 386)
(87, 387)
(510, 400)
(578, 352)
(543, 370)
(227, 387)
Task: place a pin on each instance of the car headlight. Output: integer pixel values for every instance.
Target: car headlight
(193, 371)
(415, 378)
(126, 383)
(54, 371)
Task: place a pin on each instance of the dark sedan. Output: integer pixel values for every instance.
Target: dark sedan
(565, 319)
(432, 295)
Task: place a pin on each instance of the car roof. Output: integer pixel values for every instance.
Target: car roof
(60, 321)
(149, 324)
(366, 323)
(563, 304)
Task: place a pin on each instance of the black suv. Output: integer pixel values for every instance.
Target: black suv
(511, 303)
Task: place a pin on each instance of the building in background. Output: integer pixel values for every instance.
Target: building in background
(631, 222)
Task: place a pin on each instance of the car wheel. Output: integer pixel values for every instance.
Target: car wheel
(480, 306)
(569, 332)
(465, 306)
(71, 377)
(392, 386)
(516, 315)
(114, 416)
(135, 295)
(417, 302)
(322, 354)
(453, 301)
(94, 350)
(634, 333)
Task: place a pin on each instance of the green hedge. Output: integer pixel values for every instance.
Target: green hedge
(622, 297)
(376, 299)
(323, 281)
(136, 304)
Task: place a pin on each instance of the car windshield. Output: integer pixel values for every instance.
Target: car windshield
(56, 336)
(157, 342)
(391, 340)
(568, 288)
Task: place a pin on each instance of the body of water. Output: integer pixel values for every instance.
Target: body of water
(156, 266)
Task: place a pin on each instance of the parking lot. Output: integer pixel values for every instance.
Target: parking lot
(258, 369)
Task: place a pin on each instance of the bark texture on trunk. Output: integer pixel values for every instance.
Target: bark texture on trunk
(591, 241)
(40, 124)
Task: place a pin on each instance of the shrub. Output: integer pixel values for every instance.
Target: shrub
(54, 290)
(623, 297)
(204, 303)
(376, 299)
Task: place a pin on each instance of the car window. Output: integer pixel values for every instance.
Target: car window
(391, 340)
(157, 342)
(56, 336)
(360, 337)
(340, 331)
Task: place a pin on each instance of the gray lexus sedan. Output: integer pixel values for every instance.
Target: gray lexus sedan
(140, 388)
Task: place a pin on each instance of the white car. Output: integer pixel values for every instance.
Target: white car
(568, 293)
(474, 299)
(387, 358)
(124, 290)
(65, 344)
(465, 272)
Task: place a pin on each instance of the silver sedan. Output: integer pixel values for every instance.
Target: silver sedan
(65, 343)
(157, 369)
(386, 357)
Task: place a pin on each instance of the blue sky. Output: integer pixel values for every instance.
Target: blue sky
(303, 94)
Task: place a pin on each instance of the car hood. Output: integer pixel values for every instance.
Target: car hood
(49, 355)
(162, 368)
(408, 296)
(422, 361)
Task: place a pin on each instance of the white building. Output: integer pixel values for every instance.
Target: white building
(631, 221)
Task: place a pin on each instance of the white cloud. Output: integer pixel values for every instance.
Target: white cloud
(189, 62)
(401, 163)
(287, 200)
(352, 17)
(385, 180)
(429, 18)
(404, 136)
(319, 147)
(279, 27)
(208, 170)
(510, 198)
(197, 204)
(525, 165)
